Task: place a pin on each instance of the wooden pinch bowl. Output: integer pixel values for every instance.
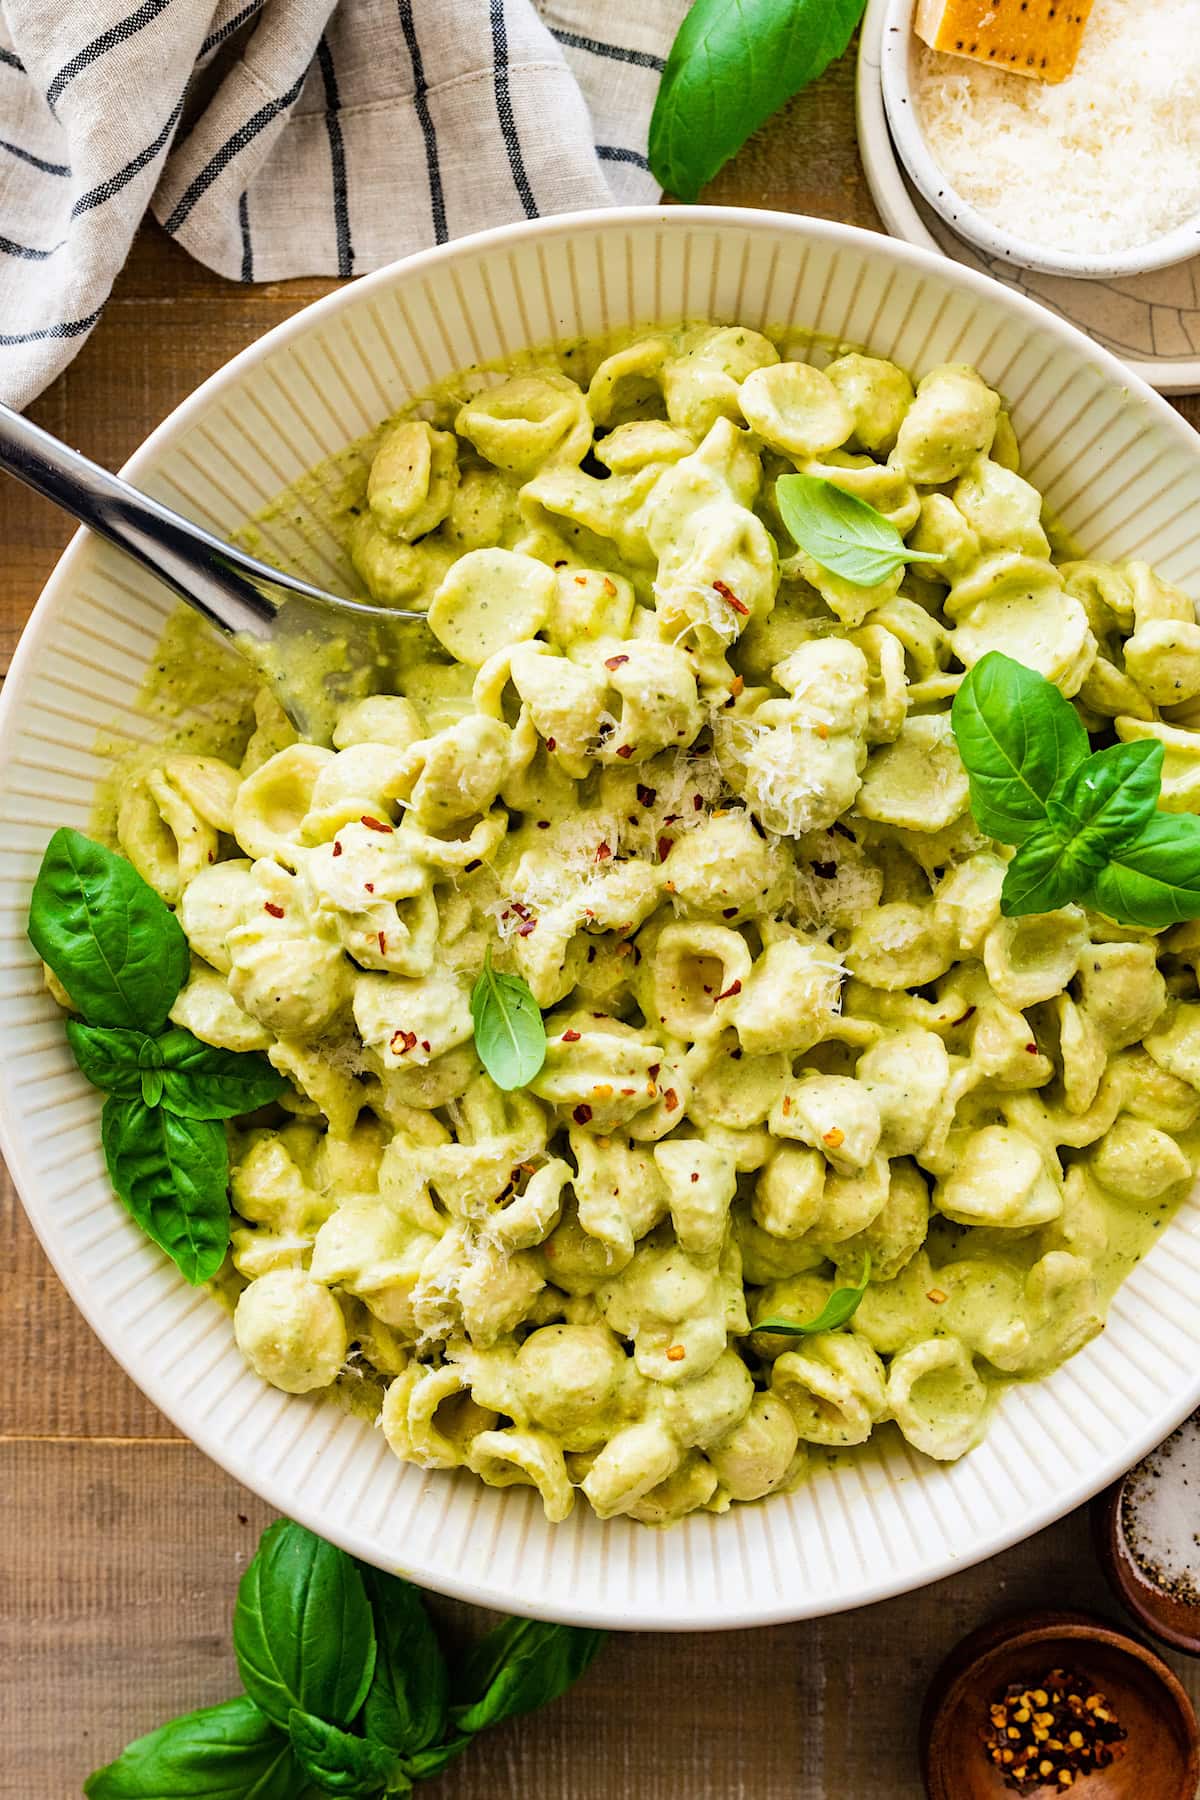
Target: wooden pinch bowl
(1161, 1760)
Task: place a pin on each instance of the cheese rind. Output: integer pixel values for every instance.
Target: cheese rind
(1038, 38)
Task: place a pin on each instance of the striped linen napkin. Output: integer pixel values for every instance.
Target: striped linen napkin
(298, 137)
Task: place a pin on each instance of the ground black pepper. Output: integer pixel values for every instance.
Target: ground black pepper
(1051, 1735)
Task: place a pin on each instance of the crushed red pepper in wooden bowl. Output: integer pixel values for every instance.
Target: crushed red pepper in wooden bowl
(1051, 1735)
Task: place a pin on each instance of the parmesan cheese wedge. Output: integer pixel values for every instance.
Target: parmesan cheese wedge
(1039, 38)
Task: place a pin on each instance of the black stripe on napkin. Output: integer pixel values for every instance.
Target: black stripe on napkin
(233, 146)
(227, 30)
(35, 162)
(337, 158)
(10, 61)
(619, 153)
(69, 328)
(247, 273)
(116, 34)
(504, 111)
(433, 166)
(105, 190)
(615, 52)
(27, 252)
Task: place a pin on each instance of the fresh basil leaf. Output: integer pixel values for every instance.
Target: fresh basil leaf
(843, 533)
(1041, 876)
(201, 1082)
(1107, 798)
(1102, 804)
(302, 1630)
(1155, 880)
(407, 1699)
(109, 1056)
(173, 1176)
(838, 1310)
(1018, 738)
(425, 1764)
(117, 948)
(226, 1752)
(341, 1764)
(731, 66)
(509, 1034)
(521, 1665)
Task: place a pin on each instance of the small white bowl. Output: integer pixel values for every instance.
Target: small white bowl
(899, 50)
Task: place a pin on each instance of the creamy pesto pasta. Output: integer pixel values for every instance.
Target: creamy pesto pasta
(704, 797)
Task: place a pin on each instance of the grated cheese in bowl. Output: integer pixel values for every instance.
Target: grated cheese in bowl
(1100, 163)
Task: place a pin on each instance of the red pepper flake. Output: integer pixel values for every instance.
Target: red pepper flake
(963, 1017)
(646, 795)
(676, 1353)
(670, 1099)
(614, 662)
(672, 818)
(582, 1115)
(521, 910)
(937, 1296)
(604, 731)
(276, 912)
(1031, 1049)
(525, 929)
(337, 846)
(375, 824)
(543, 824)
(822, 731)
(729, 912)
(472, 866)
(625, 750)
(212, 856)
(787, 1105)
(737, 686)
(370, 886)
(609, 586)
(581, 581)
(382, 937)
(835, 1138)
(735, 987)
(665, 847)
(695, 1175)
(408, 1041)
(727, 593)
(602, 852)
(697, 803)
(652, 1071)
(628, 1091)
(570, 1037)
(426, 1045)
(561, 563)
(552, 743)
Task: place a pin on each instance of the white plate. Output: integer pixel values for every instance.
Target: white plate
(1123, 473)
(1152, 321)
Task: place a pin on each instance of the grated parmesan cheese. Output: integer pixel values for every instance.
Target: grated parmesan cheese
(1101, 162)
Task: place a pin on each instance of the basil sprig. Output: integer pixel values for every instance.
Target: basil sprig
(844, 534)
(1086, 823)
(837, 1311)
(509, 1034)
(347, 1688)
(729, 69)
(122, 956)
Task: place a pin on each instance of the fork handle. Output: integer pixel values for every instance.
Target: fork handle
(235, 592)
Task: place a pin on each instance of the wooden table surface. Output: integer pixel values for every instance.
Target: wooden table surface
(122, 1545)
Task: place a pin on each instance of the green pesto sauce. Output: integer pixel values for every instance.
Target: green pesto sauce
(199, 697)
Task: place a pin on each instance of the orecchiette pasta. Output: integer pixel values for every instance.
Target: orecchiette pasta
(704, 796)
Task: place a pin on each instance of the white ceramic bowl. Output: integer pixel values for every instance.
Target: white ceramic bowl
(1120, 469)
(899, 51)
